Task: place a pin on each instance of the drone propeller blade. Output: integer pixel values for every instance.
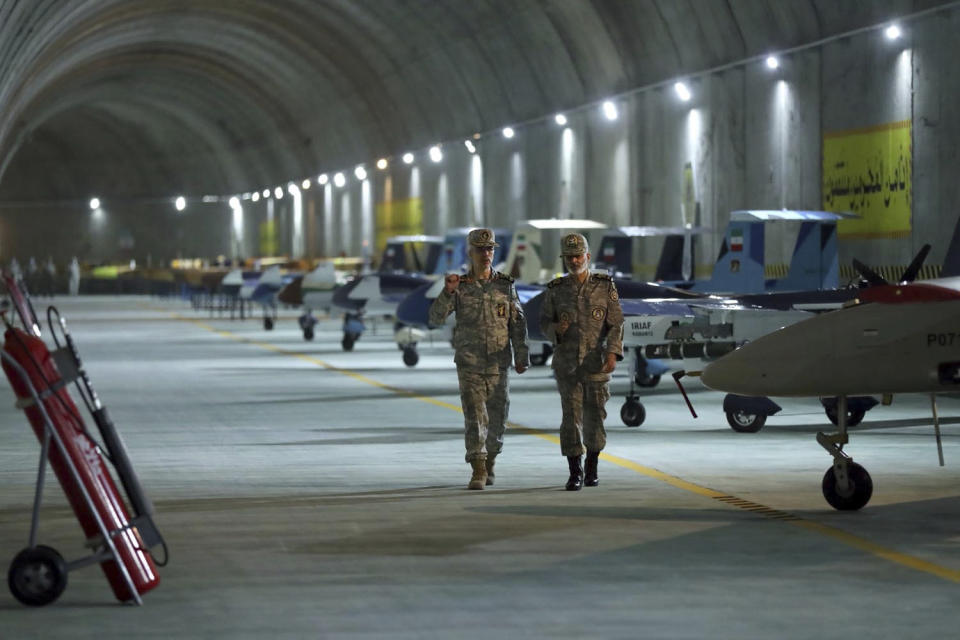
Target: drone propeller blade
(868, 274)
(913, 270)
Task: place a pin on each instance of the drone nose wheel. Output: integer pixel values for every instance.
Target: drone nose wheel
(632, 412)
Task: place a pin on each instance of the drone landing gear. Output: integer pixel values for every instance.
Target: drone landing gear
(632, 412)
(307, 323)
(846, 485)
(747, 414)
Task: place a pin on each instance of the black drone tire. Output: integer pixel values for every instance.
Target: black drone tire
(308, 333)
(537, 359)
(347, 342)
(410, 357)
(854, 416)
(860, 491)
(646, 380)
(743, 422)
(37, 576)
(268, 324)
(632, 413)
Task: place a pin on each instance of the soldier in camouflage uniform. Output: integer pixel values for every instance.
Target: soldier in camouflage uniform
(581, 316)
(489, 321)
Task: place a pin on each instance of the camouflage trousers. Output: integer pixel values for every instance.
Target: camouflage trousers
(486, 403)
(583, 401)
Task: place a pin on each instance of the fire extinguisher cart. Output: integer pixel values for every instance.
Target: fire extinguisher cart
(120, 543)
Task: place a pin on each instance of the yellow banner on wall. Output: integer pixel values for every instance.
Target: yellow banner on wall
(268, 238)
(868, 172)
(398, 218)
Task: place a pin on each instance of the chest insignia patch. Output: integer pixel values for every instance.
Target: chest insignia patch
(502, 310)
(598, 313)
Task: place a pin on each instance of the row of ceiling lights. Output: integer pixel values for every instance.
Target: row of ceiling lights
(607, 107)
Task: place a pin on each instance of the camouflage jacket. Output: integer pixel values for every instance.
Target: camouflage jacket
(489, 320)
(596, 323)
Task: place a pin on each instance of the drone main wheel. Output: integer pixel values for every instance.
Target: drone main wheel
(632, 413)
(308, 333)
(410, 357)
(268, 324)
(646, 380)
(743, 422)
(854, 416)
(540, 359)
(37, 576)
(348, 340)
(856, 495)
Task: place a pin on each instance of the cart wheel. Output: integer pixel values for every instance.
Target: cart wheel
(37, 576)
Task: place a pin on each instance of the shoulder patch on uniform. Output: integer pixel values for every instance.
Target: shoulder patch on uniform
(466, 279)
(601, 276)
(556, 282)
(613, 294)
(503, 276)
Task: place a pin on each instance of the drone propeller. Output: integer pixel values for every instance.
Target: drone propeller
(913, 270)
(909, 274)
(872, 277)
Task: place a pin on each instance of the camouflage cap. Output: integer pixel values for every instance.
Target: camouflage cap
(574, 244)
(482, 238)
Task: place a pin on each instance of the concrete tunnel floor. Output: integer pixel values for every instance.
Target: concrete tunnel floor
(306, 492)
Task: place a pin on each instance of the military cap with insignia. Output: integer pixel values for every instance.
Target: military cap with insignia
(574, 244)
(482, 238)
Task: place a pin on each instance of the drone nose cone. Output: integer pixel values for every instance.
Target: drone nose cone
(738, 372)
(722, 374)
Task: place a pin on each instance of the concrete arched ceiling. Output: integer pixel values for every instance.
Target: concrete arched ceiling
(152, 97)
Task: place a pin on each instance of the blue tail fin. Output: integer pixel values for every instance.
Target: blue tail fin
(815, 264)
(739, 266)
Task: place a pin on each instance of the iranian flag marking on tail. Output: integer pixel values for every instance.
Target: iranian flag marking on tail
(736, 240)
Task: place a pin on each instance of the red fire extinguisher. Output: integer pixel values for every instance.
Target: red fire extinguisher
(78, 464)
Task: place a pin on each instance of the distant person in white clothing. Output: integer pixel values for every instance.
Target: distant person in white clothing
(74, 277)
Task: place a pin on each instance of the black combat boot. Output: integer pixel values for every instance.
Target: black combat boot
(590, 469)
(575, 483)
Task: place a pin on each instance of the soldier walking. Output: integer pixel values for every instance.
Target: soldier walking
(581, 316)
(489, 321)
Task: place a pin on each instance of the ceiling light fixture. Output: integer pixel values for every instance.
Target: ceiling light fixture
(610, 110)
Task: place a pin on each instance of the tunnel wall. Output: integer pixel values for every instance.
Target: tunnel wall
(751, 137)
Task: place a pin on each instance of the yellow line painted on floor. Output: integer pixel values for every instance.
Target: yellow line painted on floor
(902, 559)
